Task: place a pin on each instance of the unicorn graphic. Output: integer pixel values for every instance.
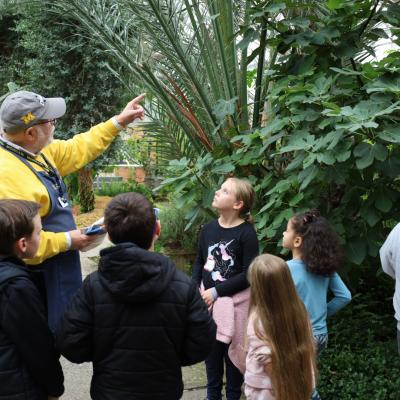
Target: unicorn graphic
(219, 261)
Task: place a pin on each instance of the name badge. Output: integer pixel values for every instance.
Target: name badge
(63, 202)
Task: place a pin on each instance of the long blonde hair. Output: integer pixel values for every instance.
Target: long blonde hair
(244, 192)
(285, 325)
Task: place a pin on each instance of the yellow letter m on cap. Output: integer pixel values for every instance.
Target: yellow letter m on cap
(28, 118)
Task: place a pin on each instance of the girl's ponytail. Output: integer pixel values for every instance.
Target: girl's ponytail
(320, 249)
(247, 217)
(311, 216)
(244, 192)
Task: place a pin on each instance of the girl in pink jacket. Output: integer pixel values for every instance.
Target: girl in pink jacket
(280, 362)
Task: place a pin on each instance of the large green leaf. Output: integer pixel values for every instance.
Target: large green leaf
(280, 187)
(346, 71)
(388, 83)
(326, 158)
(267, 206)
(275, 126)
(343, 156)
(380, 152)
(370, 215)
(262, 221)
(223, 168)
(284, 215)
(296, 199)
(383, 203)
(309, 160)
(296, 162)
(364, 153)
(356, 250)
(300, 140)
(391, 167)
(224, 108)
(367, 153)
(390, 133)
(306, 176)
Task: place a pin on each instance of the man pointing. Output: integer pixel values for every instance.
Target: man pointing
(31, 168)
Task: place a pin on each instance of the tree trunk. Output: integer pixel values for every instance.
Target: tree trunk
(86, 189)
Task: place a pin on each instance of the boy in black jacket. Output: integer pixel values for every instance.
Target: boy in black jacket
(29, 366)
(138, 318)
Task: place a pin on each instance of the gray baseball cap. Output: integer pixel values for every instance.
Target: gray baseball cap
(23, 109)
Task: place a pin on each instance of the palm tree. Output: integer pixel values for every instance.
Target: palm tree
(185, 54)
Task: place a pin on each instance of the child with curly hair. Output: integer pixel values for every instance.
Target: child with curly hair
(316, 256)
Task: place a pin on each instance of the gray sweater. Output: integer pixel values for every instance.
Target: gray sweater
(390, 259)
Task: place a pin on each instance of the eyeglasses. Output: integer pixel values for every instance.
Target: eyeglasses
(52, 122)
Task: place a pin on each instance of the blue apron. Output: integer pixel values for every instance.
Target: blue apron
(62, 273)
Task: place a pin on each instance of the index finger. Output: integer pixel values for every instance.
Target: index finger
(139, 98)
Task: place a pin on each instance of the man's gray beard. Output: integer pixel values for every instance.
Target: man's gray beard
(51, 137)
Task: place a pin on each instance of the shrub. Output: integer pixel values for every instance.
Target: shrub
(370, 371)
(173, 233)
(361, 361)
(113, 188)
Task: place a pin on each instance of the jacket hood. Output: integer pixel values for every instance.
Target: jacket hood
(134, 274)
(11, 267)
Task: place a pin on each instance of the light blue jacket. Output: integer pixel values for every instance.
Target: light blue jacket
(313, 290)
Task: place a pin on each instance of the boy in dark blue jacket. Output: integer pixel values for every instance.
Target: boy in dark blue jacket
(29, 365)
(138, 318)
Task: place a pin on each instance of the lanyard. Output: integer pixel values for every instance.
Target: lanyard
(47, 167)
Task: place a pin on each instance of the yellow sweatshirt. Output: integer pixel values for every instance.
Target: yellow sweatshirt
(17, 181)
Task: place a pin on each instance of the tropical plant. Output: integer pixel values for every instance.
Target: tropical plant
(187, 56)
(173, 233)
(330, 141)
(184, 54)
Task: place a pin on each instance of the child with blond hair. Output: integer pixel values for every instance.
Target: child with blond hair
(280, 361)
(227, 245)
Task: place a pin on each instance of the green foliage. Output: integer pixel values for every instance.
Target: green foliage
(143, 151)
(367, 373)
(45, 53)
(331, 140)
(113, 188)
(174, 234)
(184, 55)
(361, 360)
(48, 55)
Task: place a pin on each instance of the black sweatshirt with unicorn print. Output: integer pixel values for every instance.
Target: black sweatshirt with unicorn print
(223, 257)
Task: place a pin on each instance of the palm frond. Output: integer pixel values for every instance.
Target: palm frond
(176, 51)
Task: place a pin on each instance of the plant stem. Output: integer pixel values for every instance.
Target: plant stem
(260, 70)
